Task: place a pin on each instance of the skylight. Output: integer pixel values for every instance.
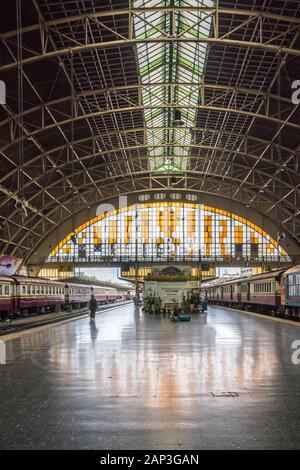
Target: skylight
(170, 73)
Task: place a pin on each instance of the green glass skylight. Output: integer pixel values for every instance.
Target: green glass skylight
(179, 64)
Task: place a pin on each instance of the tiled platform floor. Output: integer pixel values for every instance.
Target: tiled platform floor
(137, 381)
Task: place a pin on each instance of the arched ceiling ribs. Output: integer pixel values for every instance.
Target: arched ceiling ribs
(235, 87)
(143, 181)
(125, 178)
(46, 109)
(127, 109)
(247, 16)
(45, 25)
(139, 159)
(126, 42)
(201, 88)
(293, 153)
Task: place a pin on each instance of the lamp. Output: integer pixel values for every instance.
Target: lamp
(178, 122)
(21, 209)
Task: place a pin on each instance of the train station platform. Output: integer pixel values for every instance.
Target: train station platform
(13, 325)
(135, 381)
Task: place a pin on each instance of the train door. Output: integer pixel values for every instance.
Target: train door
(222, 293)
(15, 295)
(248, 291)
(231, 292)
(239, 295)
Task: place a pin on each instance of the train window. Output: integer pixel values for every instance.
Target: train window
(23, 289)
(28, 289)
(6, 290)
(297, 279)
(1, 290)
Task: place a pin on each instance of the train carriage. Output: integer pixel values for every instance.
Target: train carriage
(77, 295)
(261, 293)
(21, 295)
(290, 292)
(36, 295)
(7, 296)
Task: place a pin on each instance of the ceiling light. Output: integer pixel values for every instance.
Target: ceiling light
(178, 122)
(21, 209)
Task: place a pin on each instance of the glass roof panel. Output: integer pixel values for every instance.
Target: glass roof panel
(176, 68)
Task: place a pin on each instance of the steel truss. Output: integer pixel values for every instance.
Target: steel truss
(111, 153)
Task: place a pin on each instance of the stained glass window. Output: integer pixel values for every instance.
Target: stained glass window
(166, 231)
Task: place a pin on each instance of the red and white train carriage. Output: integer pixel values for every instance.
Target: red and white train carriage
(262, 293)
(20, 295)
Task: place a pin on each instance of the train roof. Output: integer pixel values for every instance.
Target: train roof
(256, 277)
(5, 278)
(293, 270)
(39, 280)
(273, 274)
(89, 286)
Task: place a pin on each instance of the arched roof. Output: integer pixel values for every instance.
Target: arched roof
(228, 66)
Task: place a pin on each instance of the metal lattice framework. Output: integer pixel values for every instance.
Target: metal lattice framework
(227, 66)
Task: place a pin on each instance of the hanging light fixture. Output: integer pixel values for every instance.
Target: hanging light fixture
(177, 121)
(21, 209)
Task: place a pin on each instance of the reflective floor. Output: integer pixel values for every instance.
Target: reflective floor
(136, 381)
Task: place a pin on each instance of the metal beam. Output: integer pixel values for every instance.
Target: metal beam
(162, 40)
(127, 109)
(145, 158)
(200, 87)
(168, 9)
(145, 174)
(130, 192)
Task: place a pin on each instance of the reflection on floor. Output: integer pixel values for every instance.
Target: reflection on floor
(129, 380)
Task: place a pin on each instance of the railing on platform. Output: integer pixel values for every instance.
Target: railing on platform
(243, 260)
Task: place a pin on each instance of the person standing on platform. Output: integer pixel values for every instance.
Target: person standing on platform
(93, 306)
